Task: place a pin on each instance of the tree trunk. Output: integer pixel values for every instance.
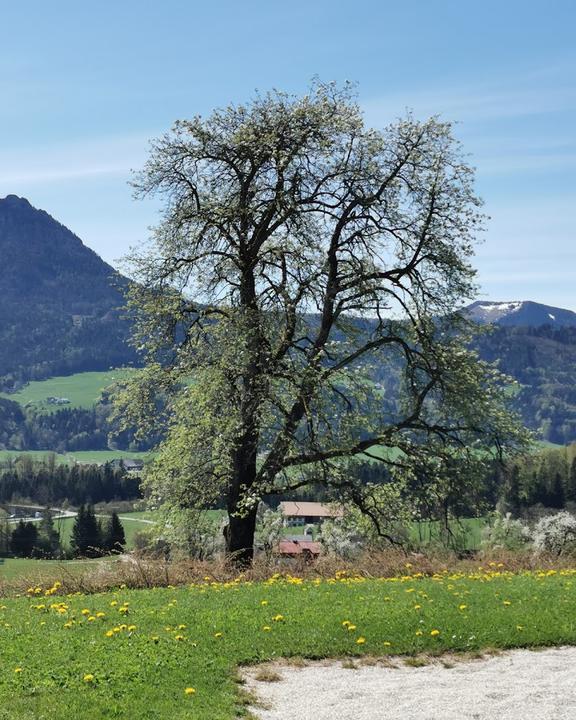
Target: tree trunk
(240, 537)
(242, 520)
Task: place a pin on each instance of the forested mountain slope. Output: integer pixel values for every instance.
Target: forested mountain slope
(58, 300)
(59, 314)
(543, 361)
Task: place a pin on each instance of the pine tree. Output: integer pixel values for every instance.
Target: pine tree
(556, 496)
(24, 539)
(511, 497)
(86, 534)
(48, 536)
(114, 538)
(571, 483)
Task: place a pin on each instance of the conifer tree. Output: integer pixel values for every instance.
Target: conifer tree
(86, 534)
(114, 538)
(24, 539)
(48, 536)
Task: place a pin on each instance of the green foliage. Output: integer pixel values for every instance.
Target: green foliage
(48, 535)
(37, 418)
(505, 532)
(47, 482)
(24, 539)
(269, 529)
(547, 478)
(86, 538)
(113, 536)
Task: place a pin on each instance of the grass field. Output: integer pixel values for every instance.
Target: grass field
(44, 570)
(130, 521)
(82, 389)
(467, 532)
(85, 456)
(173, 653)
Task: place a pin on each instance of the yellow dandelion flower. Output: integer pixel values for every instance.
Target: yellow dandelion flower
(264, 602)
(110, 633)
(218, 635)
(278, 618)
(351, 627)
(266, 628)
(17, 670)
(361, 640)
(88, 678)
(190, 691)
(506, 602)
(434, 633)
(462, 607)
(419, 632)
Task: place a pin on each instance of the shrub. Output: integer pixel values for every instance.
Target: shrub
(556, 534)
(506, 533)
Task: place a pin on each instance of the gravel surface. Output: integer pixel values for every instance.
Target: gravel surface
(516, 685)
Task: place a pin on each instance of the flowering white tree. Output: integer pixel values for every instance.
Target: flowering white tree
(284, 220)
(556, 534)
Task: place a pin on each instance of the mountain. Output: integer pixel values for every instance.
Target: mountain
(59, 314)
(59, 301)
(520, 313)
(543, 362)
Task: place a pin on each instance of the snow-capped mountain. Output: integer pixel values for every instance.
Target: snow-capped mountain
(520, 312)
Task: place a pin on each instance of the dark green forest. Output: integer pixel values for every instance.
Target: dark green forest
(47, 483)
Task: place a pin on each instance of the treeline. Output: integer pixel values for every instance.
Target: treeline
(91, 537)
(546, 479)
(47, 483)
(63, 430)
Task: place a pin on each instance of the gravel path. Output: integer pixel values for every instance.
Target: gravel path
(516, 685)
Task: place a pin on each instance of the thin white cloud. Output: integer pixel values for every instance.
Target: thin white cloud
(523, 95)
(37, 165)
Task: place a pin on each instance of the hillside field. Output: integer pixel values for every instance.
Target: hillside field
(83, 456)
(82, 389)
(174, 652)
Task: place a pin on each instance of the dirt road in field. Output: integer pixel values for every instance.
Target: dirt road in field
(516, 685)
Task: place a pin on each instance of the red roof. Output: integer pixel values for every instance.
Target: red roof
(297, 547)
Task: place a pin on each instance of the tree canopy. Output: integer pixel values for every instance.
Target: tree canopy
(297, 249)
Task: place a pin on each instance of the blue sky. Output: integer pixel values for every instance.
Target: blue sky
(84, 86)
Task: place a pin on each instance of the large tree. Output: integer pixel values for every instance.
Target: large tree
(299, 254)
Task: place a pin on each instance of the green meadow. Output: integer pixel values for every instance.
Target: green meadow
(82, 389)
(175, 652)
(82, 456)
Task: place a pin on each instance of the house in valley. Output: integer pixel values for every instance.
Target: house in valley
(296, 513)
